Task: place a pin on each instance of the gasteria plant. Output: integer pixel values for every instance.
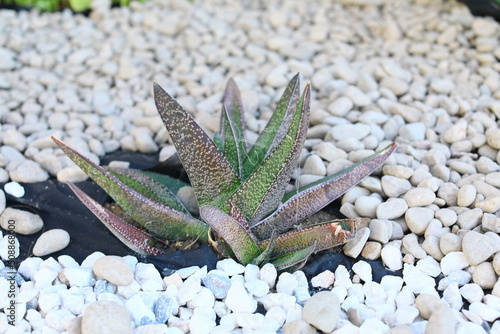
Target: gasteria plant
(245, 211)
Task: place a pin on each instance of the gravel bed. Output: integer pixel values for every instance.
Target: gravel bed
(423, 73)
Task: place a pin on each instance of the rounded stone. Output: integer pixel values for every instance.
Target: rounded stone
(489, 205)
(477, 247)
(186, 196)
(402, 172)
(13, 188)
(341, 106)
(50, 242)
(466, 195)
(456, 132)
(431, 247)
(410, 243)
(496, 263)
(372, 250)
(114, 269)
(450, 242)
(447, 217)
(366, 206)
(391, 257)
(29, 171)
(298, 327)
(322, 311)
(395, 186)
(490, 222)
(442, 320)
(419, 197)
(102, 317)
(484, 275)
(354, 246)
(393, 208)
(314, 165)
(448, 191)
(418, 219)
(380, 230)
(22, 222)
(493, 138)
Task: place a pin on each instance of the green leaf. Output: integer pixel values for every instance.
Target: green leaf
(233, 119)
(263, 190)
(320, 194)
(159, 219)
(326, 235)
(171, 183)
(134, 238)
(240, 241)
(232, 149)
(218, 141)
(263, 258)
(148, 187)
(212, 177)
(295, 259)
(80, 5)
(276, 128)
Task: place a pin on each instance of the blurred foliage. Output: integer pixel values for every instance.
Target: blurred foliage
(55, 5)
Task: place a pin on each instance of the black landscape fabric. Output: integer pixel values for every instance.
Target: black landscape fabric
(60, 208)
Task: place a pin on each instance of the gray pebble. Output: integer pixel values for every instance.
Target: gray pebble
(217, 283)
(164, 308)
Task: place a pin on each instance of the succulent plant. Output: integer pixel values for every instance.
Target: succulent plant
(245, 211)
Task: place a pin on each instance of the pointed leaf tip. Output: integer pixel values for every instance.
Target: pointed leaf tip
(316, 196)
(211, 175)
(134, 238)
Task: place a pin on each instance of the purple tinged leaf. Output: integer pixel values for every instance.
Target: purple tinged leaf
(212, 177)
(235, 116)
(231, 146)
(275, 129)
(159, 219)
(319, 195)
(134, 238)
(240, 241)
(326, 235)
(294, 260)
(263, 258)
(264, 189)
(148, 187)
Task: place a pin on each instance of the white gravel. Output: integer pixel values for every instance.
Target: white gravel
(422, 73)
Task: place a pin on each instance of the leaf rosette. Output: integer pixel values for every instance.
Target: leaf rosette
(245, 211)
